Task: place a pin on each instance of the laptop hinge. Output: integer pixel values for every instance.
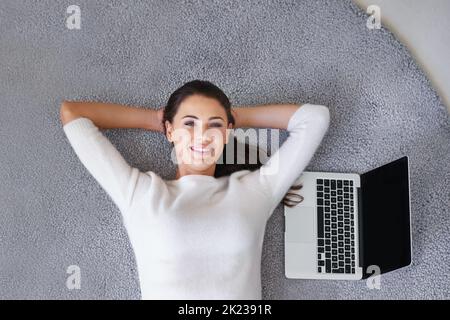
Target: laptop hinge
(361, 232)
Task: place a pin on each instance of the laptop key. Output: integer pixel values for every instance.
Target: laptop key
(320, 222)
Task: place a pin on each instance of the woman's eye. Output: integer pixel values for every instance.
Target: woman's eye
(189, 123)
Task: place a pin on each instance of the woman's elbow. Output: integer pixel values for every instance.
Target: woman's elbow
(66, 113)
(324, 114)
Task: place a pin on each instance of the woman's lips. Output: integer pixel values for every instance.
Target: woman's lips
(201, 150)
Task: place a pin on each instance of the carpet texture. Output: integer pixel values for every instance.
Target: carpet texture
(54, 214)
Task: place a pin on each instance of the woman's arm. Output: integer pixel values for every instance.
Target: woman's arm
(81, 123)
(307, 125)
(111, 115)
(264, 116)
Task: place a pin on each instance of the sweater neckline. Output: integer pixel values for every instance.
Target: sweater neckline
(195, 177)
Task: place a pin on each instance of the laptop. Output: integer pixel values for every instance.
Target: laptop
(348, 225)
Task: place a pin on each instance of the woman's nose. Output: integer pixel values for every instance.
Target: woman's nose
(202, 140)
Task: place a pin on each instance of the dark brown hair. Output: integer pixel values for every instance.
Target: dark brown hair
(208, 89)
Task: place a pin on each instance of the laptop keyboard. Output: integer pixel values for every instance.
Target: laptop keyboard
(335, 226)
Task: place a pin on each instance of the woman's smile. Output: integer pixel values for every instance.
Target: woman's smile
(201, 151)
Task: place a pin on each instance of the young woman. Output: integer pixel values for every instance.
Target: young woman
(200, 235)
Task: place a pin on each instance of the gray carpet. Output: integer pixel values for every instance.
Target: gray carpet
(54, 214)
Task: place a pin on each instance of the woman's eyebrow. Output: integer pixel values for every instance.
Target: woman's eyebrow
(211, 118)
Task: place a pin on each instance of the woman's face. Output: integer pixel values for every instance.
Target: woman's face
(199, 132)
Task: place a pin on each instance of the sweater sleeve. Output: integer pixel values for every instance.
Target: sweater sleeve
(103, 161)
(307, 127)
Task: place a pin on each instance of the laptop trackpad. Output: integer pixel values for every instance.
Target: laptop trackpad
(300, 224)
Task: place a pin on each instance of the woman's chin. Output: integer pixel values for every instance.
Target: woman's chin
(202, 161)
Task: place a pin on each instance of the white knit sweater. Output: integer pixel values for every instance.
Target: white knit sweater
(199, 237)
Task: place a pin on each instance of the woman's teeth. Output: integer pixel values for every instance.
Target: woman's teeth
(201, 150)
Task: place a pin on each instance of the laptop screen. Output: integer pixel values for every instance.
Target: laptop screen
(385, 217)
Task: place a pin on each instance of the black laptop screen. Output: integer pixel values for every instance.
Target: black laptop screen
(386, 217)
